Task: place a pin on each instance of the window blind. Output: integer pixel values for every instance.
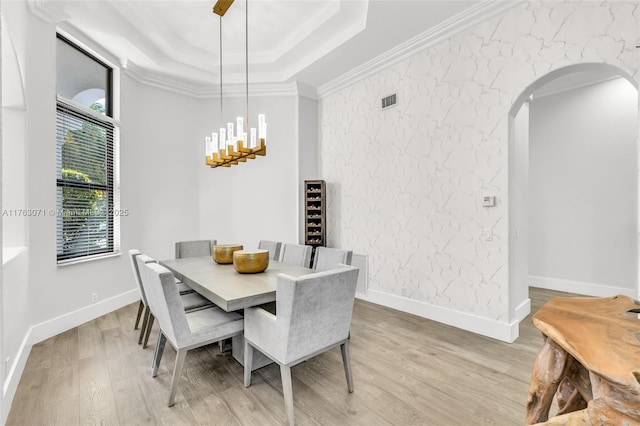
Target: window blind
(85, 198)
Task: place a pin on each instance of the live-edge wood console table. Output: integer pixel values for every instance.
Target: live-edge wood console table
(590, 359)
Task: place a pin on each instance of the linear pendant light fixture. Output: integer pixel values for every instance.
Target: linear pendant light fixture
(226, 148)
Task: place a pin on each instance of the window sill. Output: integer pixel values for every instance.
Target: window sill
(88, 259)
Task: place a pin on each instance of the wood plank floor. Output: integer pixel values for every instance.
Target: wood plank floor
(407, 371)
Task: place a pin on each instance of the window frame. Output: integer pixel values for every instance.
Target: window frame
(112, 128)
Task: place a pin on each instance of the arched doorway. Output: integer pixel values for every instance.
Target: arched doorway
(521, 208)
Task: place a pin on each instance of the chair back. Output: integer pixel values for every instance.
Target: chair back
(164, 301)
(272, 246)
(329, 258)
(314, 311)
(194, 248)
(294, 254)
(133, 254)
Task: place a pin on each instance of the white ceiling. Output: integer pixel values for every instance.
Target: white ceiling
(310, 41)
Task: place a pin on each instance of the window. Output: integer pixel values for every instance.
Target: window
(85, 137)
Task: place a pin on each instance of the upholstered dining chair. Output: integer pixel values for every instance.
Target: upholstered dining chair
(183, 330)
(272, 246)
(313, 315)
(328, 258)
(191, 301)
(295, 254)
(194, 248)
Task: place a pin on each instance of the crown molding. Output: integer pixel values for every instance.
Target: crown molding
(200, 91)
(454, 25)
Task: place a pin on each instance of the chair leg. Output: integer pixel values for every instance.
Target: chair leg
(162, 339)
(140, 309)
(177, 373)
(149, 327)
(287, 390)
(145, 321)
(248, 361)
(344, 348)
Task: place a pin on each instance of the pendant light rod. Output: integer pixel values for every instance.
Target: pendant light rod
(221, 118)
(246, 55)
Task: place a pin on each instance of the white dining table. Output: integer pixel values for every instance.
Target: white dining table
(227, 288)
(233, 291)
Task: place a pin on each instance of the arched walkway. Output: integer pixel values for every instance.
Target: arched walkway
(519, 177)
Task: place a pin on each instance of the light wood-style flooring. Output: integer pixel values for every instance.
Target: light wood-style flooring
(407, 371)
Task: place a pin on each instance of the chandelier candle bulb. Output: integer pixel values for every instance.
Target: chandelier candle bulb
(239, 126)
(253, 143)
(214, 142)
(229, 133)
(223, 138)
(262, 131)
(208, 146)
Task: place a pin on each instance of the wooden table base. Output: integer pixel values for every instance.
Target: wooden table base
(590, 361)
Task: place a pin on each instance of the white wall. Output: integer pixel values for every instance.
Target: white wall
(583, 189)
(519, 303)
(255, 200)
(307, 153)
(15, 273)
(159, 188)
(13, 146)
(406, 184)
(159, 173)
(14, 224)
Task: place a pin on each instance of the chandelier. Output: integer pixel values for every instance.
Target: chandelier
(230, 146)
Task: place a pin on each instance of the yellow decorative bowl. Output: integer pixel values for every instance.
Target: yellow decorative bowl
(223, 253)
(250, 261)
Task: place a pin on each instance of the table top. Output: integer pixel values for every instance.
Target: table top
(601, 333)
(226, 287)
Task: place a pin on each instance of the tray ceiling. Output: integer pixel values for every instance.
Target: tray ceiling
(310, 41)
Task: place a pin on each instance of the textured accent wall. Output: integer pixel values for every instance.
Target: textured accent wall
(405, 184)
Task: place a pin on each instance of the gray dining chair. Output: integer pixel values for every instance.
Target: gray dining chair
(183, 330)
(313, 315)
(328, 258)
(272, 246)
(191, 301)
(194, 248)
(295, 254)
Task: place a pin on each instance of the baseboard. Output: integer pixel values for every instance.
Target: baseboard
(13, 376)
(578, 287)
(50, 328)
(523, 310)
(506, 332)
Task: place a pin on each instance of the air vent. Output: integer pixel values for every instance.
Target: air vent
(388, 101)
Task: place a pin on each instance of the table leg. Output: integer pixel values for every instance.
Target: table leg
(549, 369)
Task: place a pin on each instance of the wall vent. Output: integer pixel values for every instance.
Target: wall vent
(388, 101)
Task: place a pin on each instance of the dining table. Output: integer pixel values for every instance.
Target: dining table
(231, 290)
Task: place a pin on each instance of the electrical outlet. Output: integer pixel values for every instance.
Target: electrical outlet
(94, 297)
(487, 235)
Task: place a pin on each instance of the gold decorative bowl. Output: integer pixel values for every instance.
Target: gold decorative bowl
(223, 253)
(251, 261)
